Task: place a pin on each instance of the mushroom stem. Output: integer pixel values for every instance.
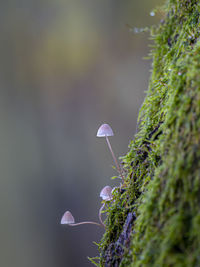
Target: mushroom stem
(76, 224)
(100, 210)
(114, 158)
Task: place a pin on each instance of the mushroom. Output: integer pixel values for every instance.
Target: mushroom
(68, 219)
(106, 195)
(104, 131)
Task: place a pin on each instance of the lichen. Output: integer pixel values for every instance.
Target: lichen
(162, 186)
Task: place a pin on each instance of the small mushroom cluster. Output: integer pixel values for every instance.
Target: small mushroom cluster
(107, 192)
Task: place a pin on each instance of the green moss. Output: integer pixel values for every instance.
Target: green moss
(163, 163)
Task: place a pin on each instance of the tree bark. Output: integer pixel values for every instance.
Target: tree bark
(154, 219)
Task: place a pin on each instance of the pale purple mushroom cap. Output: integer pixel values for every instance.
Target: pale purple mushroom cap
(105, 193)
(67, 218)
(105, 130)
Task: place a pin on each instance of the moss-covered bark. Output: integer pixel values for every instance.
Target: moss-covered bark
(162, 189)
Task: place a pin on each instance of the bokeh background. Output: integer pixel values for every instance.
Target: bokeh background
(66, 68)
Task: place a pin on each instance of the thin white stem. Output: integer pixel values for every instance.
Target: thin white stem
(100, 210)
(115, 160)
(76, 224)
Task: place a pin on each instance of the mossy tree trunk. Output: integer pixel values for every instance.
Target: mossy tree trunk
(155, 218)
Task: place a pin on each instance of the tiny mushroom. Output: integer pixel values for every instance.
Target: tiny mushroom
(104, 131)
(68, 219)
(106, 193)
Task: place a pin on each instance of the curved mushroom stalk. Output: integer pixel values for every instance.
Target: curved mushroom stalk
(100, 218)
(87, 222)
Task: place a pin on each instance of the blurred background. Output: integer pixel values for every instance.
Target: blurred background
(66, 68)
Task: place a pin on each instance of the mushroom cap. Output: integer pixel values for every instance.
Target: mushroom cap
(67, 218)
(105, 193)
(105, 130)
